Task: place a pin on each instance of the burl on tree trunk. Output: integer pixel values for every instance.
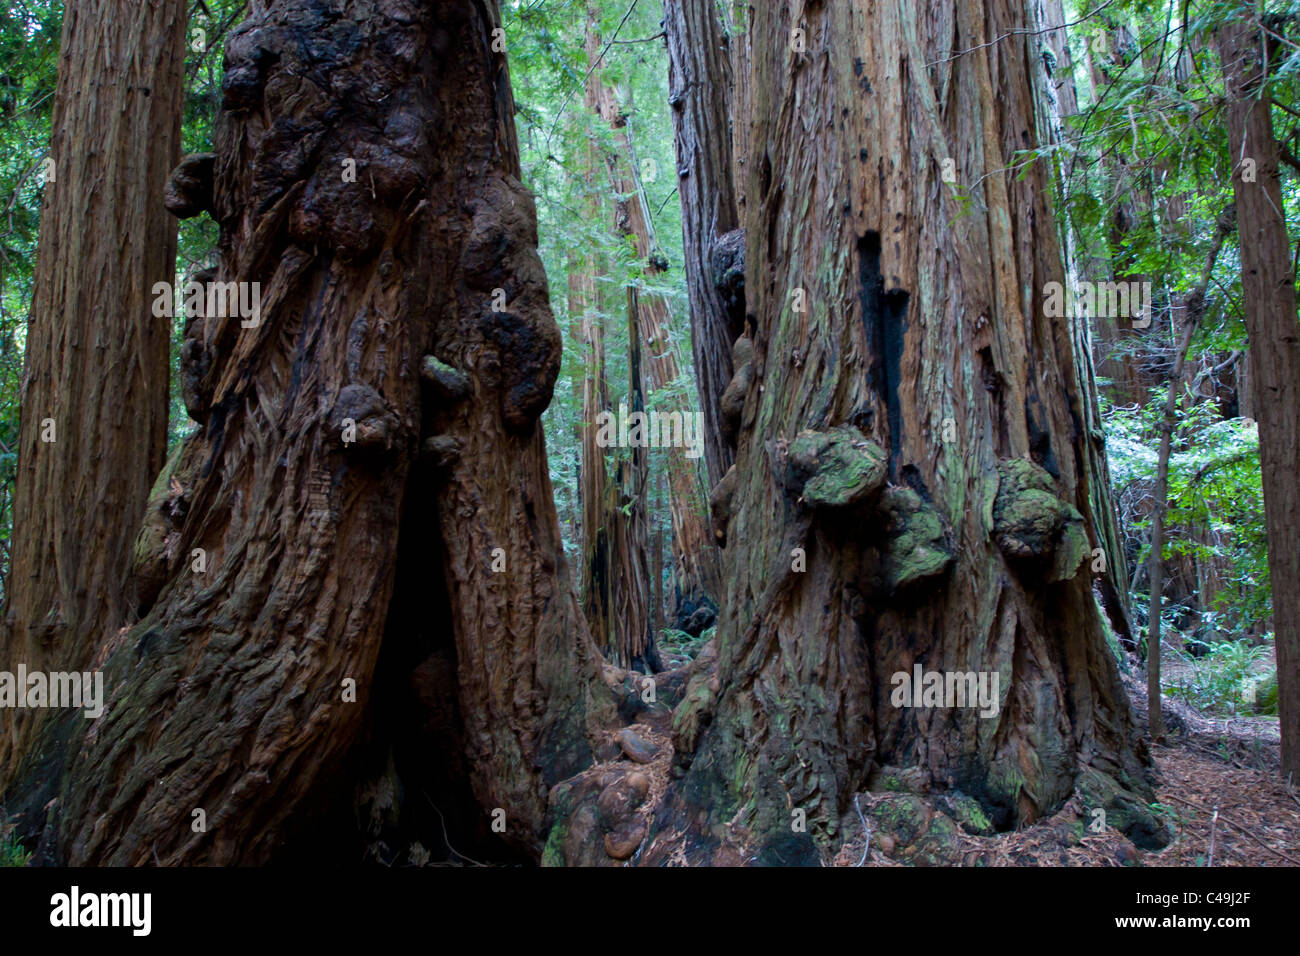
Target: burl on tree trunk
(366, 175)
(911, 488)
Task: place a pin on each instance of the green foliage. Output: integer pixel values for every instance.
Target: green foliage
(563, 151)
(11, 851)
(1228, 681)
(1146, 171)
(1173, 815)
(1216, 503)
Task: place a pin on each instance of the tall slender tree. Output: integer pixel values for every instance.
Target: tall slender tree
(695, 559)
(95, 378)
(1268, 291)
(701, 97)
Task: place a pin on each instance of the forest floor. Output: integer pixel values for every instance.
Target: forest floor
(1217, 782)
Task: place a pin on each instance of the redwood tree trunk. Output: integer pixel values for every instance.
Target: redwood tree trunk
(1268, 288)
(700, 95)
(911, 486)
(94, 398)
(1192, 307)
(1128, 197)
(1061, 101)
(390, 396)
(695, 560)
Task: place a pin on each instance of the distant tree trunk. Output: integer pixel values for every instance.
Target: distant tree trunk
(95, 379)
(701, 102)
(581, 283)
(1268, 290)
(1193, 307)
(616, 584)
(405, 342)
(633, 588)
(1117, 343)
(911, 486)
(698, 567)
(597, 567)
(657, 561)
(697, 561)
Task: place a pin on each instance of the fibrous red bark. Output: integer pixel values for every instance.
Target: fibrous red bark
(94, 401)
(387, 403)
(701, 100)
(910, 486)
(1268, 290)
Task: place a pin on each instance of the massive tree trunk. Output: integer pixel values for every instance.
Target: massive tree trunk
(386, 404)
(911, 487)
(95, 399)
(1268, 289)
(700, 96)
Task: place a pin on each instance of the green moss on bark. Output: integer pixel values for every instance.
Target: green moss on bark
(836, 469)
(917, 548)
(1034, 527)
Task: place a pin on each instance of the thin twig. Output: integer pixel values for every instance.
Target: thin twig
(445, 839)
(1227, 819)
(866, 848)
(1214, 821)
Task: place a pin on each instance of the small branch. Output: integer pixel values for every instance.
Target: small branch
(658, 36)
(1288, 157)
(1282, 106)
(665, 203)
